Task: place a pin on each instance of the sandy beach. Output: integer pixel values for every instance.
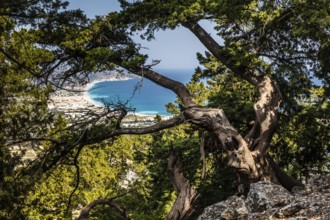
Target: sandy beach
(77, 99)
(74, 98)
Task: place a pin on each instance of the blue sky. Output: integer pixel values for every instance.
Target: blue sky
(176, 49)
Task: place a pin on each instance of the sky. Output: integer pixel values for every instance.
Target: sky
(175, 48)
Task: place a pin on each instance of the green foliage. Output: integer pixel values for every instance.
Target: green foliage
(43, 45)
(24, 113)
(301, 143)
(105, 171)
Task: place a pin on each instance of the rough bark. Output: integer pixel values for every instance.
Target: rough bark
(187, 195)
(215, 120)
(249, 155)
(266, 108)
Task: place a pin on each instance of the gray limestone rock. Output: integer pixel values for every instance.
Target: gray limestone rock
(265, 195)
(232, 208)
(269, 201)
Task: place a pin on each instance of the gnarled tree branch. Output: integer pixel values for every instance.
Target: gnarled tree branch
(270, 97)
(84, 214)
(143, 130)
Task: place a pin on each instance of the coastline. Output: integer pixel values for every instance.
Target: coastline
(102, 78)
(76, 99)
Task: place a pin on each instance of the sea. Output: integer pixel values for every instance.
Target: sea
(142, 95)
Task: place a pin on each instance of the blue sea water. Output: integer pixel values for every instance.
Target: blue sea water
(149, 99)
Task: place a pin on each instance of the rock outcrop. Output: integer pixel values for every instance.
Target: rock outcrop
(269, 201)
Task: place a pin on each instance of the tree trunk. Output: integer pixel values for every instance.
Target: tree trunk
(284, 179)
(251, 163)
(247, 155)
(187, 195)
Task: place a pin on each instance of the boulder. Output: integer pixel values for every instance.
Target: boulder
(266, 196)
(232, 208)
(269, 201)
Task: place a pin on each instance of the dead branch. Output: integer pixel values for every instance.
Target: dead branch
(85, 212)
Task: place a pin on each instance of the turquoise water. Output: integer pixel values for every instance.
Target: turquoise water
(149, 99)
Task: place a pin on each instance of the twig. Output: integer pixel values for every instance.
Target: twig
(202, 151)
(77, 170)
